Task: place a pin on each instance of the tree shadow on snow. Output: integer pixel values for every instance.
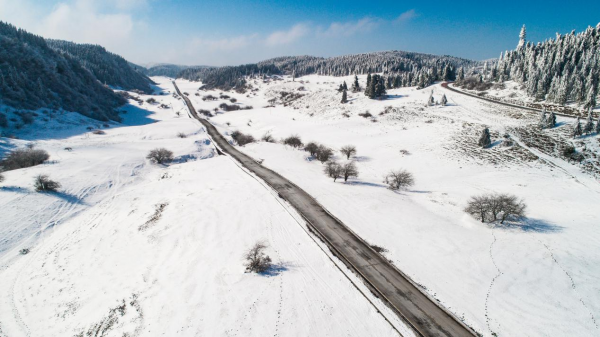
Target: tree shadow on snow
(361, 159)
(15, 189)
(70, 198)
(277, 268)
(363, 183)
(530, 225)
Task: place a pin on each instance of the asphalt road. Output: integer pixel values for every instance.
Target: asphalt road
(388, 283)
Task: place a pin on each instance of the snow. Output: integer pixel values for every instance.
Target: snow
(131, 247)
(538, 278)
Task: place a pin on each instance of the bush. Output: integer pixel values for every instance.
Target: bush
(43, 184)
(229, 107)
(151, 100)
(474, 83)
(160, 156)
(268, 138)
(348, 150)
(181, 135)
(293, 141)
(98, 132)
(242, 139)
(256, 259)
(399, 179)
(492, 207)
(333, 169)
(323, 153)
(233, 100)
(366, 114)
(22, 158)
(205, 112)
(209, 98)
(311, 148)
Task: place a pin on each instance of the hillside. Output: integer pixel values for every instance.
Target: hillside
(411, 69)
(107, 67)
(34, 76)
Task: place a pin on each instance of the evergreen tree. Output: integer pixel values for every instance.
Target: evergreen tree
(369, 79)
(430, 100)
(589, 123)
(522, 38)
(577, 128)
(379, 88)
(543, 122)
(341, 88)
(551, 120)
(345, 86)
(444, 100)
(344, 96)
(355, 85)
(598, 125)
(485, 139)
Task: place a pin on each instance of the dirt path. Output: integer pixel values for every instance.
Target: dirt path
(386, 282)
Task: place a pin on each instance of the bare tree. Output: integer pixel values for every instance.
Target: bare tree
(399, 179)
(324, 153)
(160, 156)
(256, 259)
(43, 184)
(22, 158)
(242, 139)
(293, 141)
(333, 169)
(348, 151)
(349, 170)
(311, 148)
(493, 207)
(181, 135)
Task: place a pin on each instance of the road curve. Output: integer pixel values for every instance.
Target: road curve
(446, 85)
(385, 281)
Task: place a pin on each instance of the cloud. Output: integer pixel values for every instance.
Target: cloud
(350, 28)
(288, 36)
(406, 16)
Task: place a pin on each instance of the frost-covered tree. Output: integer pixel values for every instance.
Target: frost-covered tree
(355, 85)
(485, 139)
(543, 122)
(589, 123)
(522, 38)
(444, 100)
(344, 96)
(577, 131)
(551, 120)
(430, 100)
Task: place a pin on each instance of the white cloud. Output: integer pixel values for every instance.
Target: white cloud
(288, 36)
(406, 16)
(350, 28)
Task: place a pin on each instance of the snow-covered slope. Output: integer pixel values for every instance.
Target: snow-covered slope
(133, 248)
(539, 278)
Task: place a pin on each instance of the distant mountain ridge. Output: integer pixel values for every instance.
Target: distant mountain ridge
(414, 68)
(107, 67)
(33, 75)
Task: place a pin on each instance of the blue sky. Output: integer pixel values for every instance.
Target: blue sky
(233, 32)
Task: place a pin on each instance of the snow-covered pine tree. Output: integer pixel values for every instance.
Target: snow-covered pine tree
(577, 131)
(522, 38)
(444, 100)
(543, 122)
(551, 120)
(355, 85)
(344, 96)
(485, 139)
(589, 123)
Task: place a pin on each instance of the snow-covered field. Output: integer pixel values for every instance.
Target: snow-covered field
(538, 278)
(131, 248)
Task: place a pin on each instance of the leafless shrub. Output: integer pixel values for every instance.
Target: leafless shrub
(267, 137)
(474, 83)
(293, 141)
(399, 179)
(323, 153)
(333, 169)
(160, 156)
(22, 158)
(492, 207)
(348, 151)
(151, 100)
(205, 112)
(98, 132)
(229, 107)
(379, 249)
(365, 114)
(158, 211)
(311, 148)
(43, 184)
(349, 170)
(232, 100)
(405, 152)
(256, 259)
(209, 98)
(181, 135)
(242, 139)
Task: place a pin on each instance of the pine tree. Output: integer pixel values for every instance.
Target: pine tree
(522, 38)
(341, 88)
(589, 123)
(485, 139)
(430, 100)
(543, 122)
(344, 96)
(355, 85)
(380, 88)
(598, 125)
(368, 79)
(577, 128)
(444, 100)
(551, 120)
(345, 86)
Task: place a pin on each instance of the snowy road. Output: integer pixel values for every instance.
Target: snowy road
(421, 312)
